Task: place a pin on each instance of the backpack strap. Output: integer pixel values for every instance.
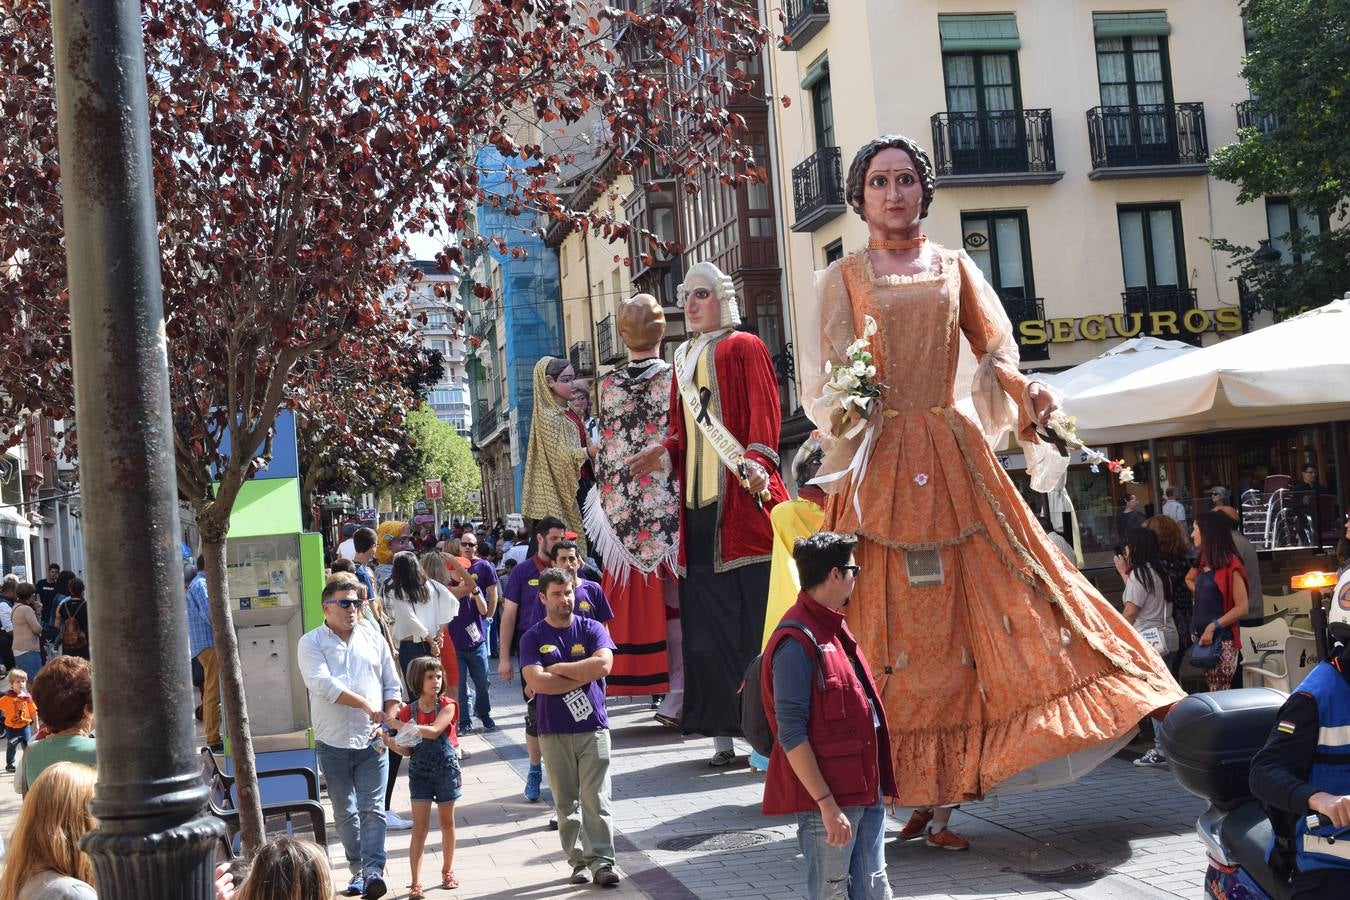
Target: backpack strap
(794, 625)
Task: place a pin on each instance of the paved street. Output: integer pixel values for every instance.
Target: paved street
(688, 831)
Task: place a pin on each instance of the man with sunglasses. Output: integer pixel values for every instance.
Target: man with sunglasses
(354, 691)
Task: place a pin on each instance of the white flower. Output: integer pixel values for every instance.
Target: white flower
(869, 326)
(859, 369)
(853, 349)
(1126, 475)
(921, 479)
(829, 367)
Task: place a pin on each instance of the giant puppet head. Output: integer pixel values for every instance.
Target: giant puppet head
(642, 323)
(391, 538)
(708, 298)
(558, 378)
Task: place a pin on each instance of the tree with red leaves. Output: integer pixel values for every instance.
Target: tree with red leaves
(294, 144)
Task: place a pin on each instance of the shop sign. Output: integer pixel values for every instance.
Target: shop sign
(1160, 324)
(367, 514)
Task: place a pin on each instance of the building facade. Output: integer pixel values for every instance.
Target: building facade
(1070, 142)
(436, 296)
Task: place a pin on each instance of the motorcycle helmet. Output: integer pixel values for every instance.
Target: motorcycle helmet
(1338, 615)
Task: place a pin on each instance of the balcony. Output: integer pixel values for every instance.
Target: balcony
(802, 19)
(1147, 141)
(1250, 115)
(1164, 308)
(611, 351)
(1014, 146)
(1022, 309)
(486, 419)
(583, 361)
(818, 189)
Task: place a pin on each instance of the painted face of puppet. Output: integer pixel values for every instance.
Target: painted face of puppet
(892, 193)
(562, 386)
(702, 309)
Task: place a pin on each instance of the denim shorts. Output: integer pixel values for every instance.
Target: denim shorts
(434, 784)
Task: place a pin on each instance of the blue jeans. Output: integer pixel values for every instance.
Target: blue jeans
(855, 871)
(30, 661)
(474, 664)
(13, 738)
(356, 788)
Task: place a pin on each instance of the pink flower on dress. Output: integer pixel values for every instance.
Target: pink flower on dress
(921, 479)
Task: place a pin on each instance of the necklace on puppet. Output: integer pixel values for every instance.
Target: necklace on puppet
(907, 244)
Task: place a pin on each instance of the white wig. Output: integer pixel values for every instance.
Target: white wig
(722, 285)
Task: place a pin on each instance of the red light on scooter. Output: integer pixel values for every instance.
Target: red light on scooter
(1227, 870)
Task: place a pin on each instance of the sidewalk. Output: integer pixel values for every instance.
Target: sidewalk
(690, 832)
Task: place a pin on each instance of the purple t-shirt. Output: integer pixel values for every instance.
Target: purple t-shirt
(469, 628)
(522, 589)
(583, 709)
(589, 600)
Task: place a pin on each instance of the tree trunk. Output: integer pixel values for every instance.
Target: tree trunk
(232, 683)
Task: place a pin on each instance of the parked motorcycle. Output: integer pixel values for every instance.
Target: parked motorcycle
(1209, 741)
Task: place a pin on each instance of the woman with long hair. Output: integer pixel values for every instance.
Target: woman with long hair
(45, 861)
(1219, 583)
(1148, 600)
(287, 869)
(1174, 552)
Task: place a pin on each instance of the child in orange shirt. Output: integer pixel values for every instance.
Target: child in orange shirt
(20, 713)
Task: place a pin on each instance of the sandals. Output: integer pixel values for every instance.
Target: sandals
(415, 892)
(448, 880)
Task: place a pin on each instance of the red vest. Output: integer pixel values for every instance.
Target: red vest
(840, 728)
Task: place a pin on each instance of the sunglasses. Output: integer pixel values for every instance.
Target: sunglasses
(468, 543)
(345, 604)
(854, 570)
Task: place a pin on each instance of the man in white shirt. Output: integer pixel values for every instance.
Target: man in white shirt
(1173, 508)
(354, 690)
(347, 549)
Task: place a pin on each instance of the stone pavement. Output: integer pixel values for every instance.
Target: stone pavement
(689, 831)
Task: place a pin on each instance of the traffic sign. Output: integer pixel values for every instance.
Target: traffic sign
(433, 490)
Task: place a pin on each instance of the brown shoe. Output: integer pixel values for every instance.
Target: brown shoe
(916, 824)
(946, 839)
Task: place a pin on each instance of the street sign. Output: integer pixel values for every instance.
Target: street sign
(474, 497)
(367, 514)
(433, 490)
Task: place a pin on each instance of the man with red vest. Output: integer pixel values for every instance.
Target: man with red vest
(823, 705)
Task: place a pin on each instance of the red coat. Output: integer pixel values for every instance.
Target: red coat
(747, 389)
(840, 729)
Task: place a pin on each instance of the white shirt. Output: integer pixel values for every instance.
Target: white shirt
(1152, 604)
(330, 665)
(416, 621)
(6, 616)
(517, 552)
(1174, 510)
(347, 549)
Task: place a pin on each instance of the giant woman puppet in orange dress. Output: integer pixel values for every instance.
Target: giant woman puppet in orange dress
(1001, 667)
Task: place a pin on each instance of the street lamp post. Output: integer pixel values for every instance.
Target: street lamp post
(155, 837)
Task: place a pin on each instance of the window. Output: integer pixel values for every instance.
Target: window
(1001, 247)
(983, 98)
(1151, 249)
(834, 250)
(1134, 77)
(822, 110)
(1283, 217)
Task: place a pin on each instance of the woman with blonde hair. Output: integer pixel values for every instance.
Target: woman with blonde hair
(45, 861)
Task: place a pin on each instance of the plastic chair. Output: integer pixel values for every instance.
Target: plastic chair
(1299, 657)
(1260, 643)
(277, 817)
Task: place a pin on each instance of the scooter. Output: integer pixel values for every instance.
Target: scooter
(1209, 741)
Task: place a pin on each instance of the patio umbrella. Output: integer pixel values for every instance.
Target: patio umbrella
(1293, 373)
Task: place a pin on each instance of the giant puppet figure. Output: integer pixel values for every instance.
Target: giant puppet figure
(559, 455)
(999, 663)
(723, 440)
(634, 522)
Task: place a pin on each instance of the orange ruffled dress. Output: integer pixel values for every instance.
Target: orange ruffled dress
(1006, 658)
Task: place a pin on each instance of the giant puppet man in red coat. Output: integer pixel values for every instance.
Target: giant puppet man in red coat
(723, 442)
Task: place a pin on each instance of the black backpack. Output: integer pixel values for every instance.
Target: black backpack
(754, 721)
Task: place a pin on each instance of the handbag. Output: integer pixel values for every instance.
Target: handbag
(1207, 657)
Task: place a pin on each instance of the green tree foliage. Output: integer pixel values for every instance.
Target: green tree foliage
(438, 452)
(1298, 67)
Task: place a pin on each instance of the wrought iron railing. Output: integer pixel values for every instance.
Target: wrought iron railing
(993, 142)
(818, 183)
(611, 351)
(1251, 115)
(1160, 134)
(486, 418)
(583, 361)
(1022, 309)
(1175, 300)
(802, 19)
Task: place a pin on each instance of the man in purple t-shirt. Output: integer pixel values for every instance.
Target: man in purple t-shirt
(520, 610)
(591, 601)
(564, 660)
(469, 631)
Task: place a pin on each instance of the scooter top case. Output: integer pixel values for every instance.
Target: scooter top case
(1210, 739)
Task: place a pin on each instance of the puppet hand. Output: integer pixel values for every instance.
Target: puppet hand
(645, 461)
(1044, 403)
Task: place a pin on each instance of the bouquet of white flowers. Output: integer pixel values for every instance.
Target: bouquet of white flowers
(1064, 432)
(852, 387)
